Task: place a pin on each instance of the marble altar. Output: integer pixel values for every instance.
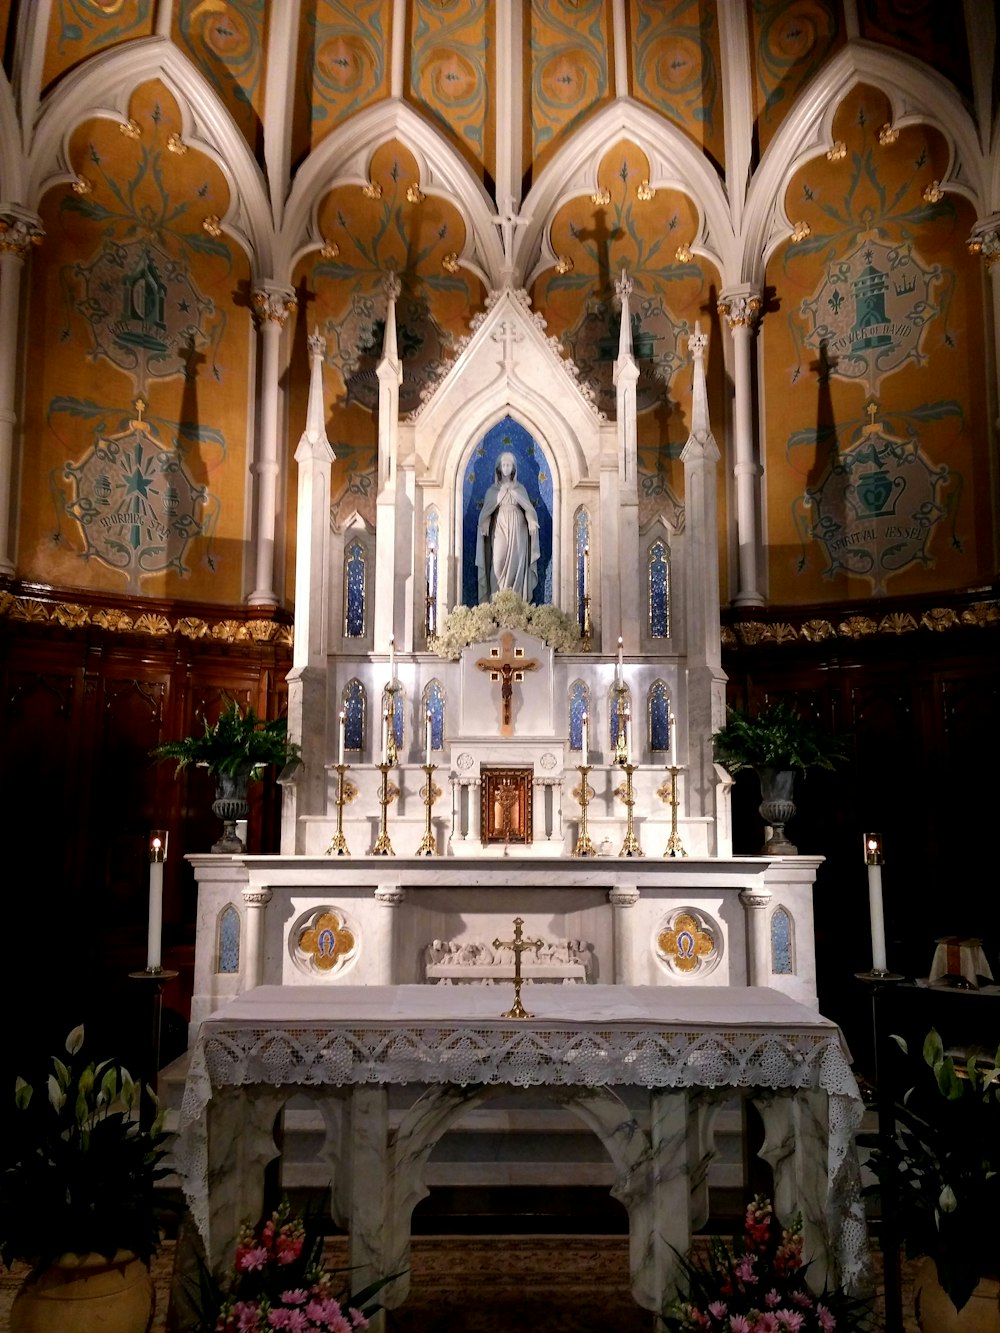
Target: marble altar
(643, 1067)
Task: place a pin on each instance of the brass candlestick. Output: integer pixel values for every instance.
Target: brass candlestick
(428, 791)
(584, 845)
(339, 847)
(674, 845)
(518, 945)
(630, 847)
(383, 847)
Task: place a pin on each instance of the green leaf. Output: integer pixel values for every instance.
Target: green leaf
(947, 1080)
(933, 1048)
(57, 1098)
(75, 1040)
(900, 1042)
(23, 1093)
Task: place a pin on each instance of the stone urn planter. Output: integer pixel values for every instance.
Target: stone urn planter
(777, 808)
(86, 1293)
(230, 805)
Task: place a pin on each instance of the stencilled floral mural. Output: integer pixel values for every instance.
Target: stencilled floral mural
(873, 355)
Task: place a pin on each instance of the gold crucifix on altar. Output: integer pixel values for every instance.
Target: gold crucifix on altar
(518, 944)
(507, 665)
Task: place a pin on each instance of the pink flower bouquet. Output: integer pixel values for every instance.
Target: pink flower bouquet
(759, 1286)
(278, 1282)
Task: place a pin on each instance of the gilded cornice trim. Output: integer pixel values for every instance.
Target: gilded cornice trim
(857, 626)
(155, 623)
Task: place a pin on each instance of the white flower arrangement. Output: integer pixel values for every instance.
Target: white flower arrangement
(506, 610)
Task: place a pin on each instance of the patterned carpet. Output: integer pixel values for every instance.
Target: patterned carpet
(562, 1284)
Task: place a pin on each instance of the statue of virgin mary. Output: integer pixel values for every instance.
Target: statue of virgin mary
(507, 544)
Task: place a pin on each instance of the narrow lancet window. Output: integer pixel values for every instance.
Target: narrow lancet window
(354, 591)
(658, 718)
(659, 590)
(354, 704)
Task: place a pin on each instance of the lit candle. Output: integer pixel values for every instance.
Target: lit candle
(670, 737)
(584, 740)
(618, 669)
(586, 570)
(392, 656)
(628, 736)
(343, 733)
(427, 738)
(873, 857)
(157, 851)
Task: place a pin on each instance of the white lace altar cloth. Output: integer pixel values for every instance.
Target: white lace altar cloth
(583, 1036)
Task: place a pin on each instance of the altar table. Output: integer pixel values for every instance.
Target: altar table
(586, 1046)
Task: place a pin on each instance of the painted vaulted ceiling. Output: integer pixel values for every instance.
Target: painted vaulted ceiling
(710, 147)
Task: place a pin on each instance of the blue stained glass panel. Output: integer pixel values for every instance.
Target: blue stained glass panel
(582, 543)
(659, 716)
(354, 715)
(399, 703)
(578, 705)
(431, 573)
(781, 941)
(229, 940)
(354, 591)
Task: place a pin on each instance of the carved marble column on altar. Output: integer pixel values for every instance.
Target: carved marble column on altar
(755, 903)
(741, 309)
(256, 901)
(389, 603)
(19, 230)
(985, 241)
(622, 900)
(272, 304)
(389, 897)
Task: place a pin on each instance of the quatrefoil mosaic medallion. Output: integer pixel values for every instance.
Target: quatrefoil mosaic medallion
(689, 942)
(324, 942)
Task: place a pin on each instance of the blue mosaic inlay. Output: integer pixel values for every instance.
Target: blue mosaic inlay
(659, 591)
(781, 941)
(354, 591)
(659, 716)
(578, 705)
(229, 940)
(582, 543)
(431, 573)
(354, 711)
(434, 704)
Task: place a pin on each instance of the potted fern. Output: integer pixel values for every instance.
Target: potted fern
(76, 1198)
(778, 743)
(235, 749)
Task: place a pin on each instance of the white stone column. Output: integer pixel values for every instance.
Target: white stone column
(456, 809)
(475, 813)
(626, 376)
(390, 591)
(273, 304)
(389, 897)
(741, 309)
(19, 230)
(252, 971)
(755, 903)
(622, 900)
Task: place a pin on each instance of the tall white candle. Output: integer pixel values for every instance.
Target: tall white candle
(585, 740)
(628, 736)
(155, 929)
(876, 911)
(343, 732)
(670, 739)
(427, 738)
(618, 669)
(586, 570)
(392, 656)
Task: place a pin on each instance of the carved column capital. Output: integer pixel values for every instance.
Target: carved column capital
(625, 896)
(985, 240)
(257, 897)
(390, 895)
(20, 229)
(273, 303)
(754, 897)
(741, 308)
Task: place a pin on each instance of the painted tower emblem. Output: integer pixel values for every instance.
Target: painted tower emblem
(871, 310)
(877, 505)
(136, 505)
(145, 314)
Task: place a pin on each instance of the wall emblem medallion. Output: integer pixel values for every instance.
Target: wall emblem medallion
(136, 505)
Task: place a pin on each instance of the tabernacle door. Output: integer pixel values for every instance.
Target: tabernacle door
(506, 805)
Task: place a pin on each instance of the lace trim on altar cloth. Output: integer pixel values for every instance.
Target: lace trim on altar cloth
(619, 1055)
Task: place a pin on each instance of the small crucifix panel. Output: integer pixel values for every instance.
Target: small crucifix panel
(506, 804)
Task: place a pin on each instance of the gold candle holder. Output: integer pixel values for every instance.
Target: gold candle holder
(428, 845)
(519, 945)
(674, 845)
(383, 847)
(339, 847)
(584, 844)
(630, 847)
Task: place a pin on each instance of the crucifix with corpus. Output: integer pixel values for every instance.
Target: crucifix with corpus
(507, 665)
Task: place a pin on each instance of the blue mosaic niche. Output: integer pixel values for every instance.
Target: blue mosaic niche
(354, 715)
(434, 704)
(577, 707)
(535, 475)
(659, 717)
(229, 940)
(781, 942)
